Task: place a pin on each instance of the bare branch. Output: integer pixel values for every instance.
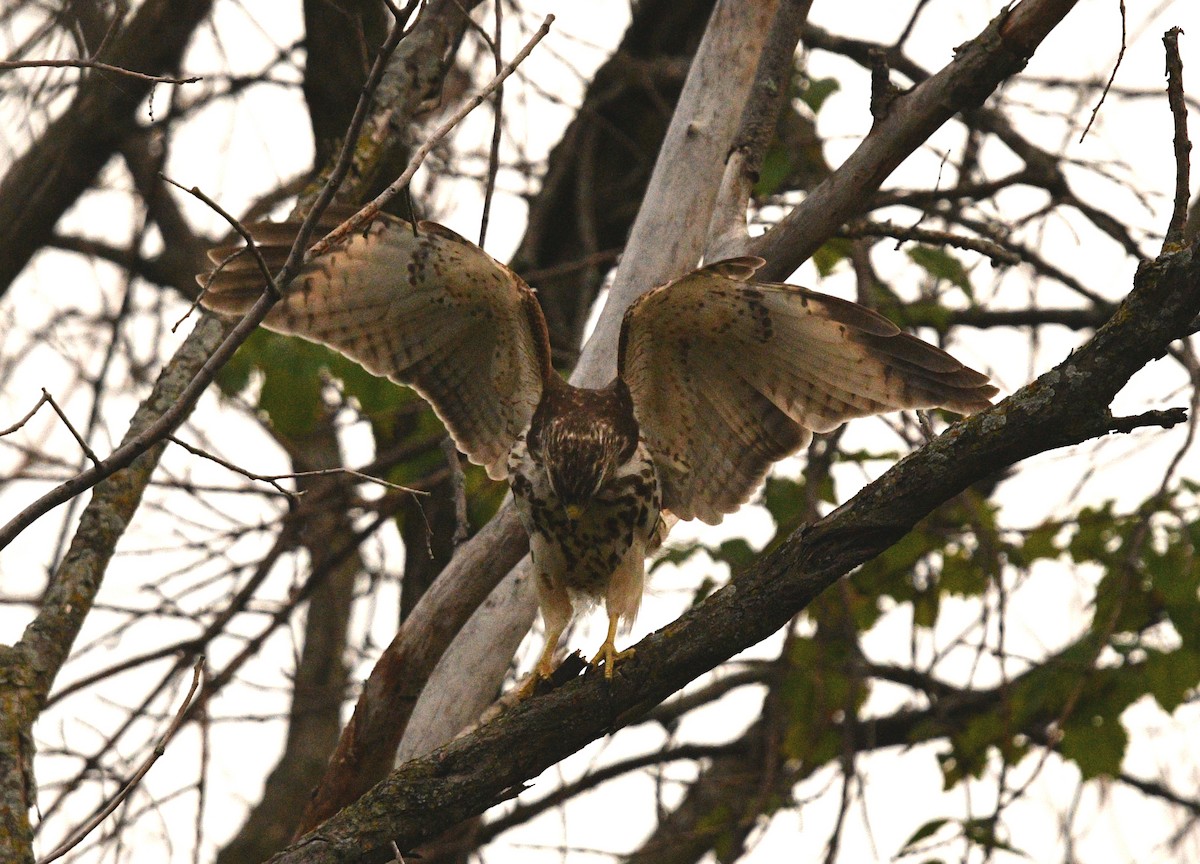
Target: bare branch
(273, 479)
(76, 838)
(1183, 146)
(979, 66)
(96, 64)
(371, 210)
(772, 82)
(139, 443)
(28, 416)
(1162, 419)
(42, 183)
(983, 246)
(1111, 78)
(79, 439)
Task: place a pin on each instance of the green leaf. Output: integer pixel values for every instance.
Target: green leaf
(971, 745)
(926, 605)
(1171, 676)
(707, 586)
(378, 397)
(941, 265)
(962, 576)
(982, 832)
(677, 554)
(830, 253)
(813, 692)
(735, 552)
(1175, 583)
(785, 501)
(291, 391)
(776, 167)
(924, 832)
(816, 90)
(1039, 543)
(1094, 533)
(234, 376)
(1095, 742)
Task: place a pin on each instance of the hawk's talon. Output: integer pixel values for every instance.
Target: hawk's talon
(530, 685)
(610, 656)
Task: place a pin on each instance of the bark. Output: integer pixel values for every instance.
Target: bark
(623, 109)
(341, 38)
(338, 58)
(29, 668)
(88, 126)
(663, 245)
(667, 239)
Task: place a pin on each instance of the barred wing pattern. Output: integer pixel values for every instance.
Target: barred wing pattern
(729, 375)
(424, 307)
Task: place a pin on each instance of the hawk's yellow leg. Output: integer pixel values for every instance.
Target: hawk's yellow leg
(556, 612)
(608, 651)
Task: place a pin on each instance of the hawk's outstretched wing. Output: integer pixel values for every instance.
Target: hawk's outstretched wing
(728, 376)
(426, 308)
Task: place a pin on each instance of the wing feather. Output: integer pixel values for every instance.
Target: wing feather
(728, 376)
(425, 308)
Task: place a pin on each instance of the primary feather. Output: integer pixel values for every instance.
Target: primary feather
(424, 307)
(728, 376)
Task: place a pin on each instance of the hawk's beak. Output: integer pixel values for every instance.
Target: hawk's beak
(574, 511)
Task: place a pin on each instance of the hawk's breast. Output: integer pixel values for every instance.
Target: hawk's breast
(581, 554)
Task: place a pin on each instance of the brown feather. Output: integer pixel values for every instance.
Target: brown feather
(428, 309)
(728, 376)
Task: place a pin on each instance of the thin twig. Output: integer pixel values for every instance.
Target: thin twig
(1183, 146)
(251, 246)
(371, 210)
(172, 416)
(70, 427)
(489, 190)
(458, 487)
(76, 838)
(1164, 419)
(274, 478)
(345, 158)
(939, 238)
(94, 64)
(29, 416)
(237, 226)
(1111, 78)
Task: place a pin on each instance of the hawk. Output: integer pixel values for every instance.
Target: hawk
(718, 378)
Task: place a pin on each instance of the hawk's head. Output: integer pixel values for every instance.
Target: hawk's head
(581, 444)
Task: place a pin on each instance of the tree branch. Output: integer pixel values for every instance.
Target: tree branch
(979, 66)
(1183, 146)
(40, 185)
(760, 117)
